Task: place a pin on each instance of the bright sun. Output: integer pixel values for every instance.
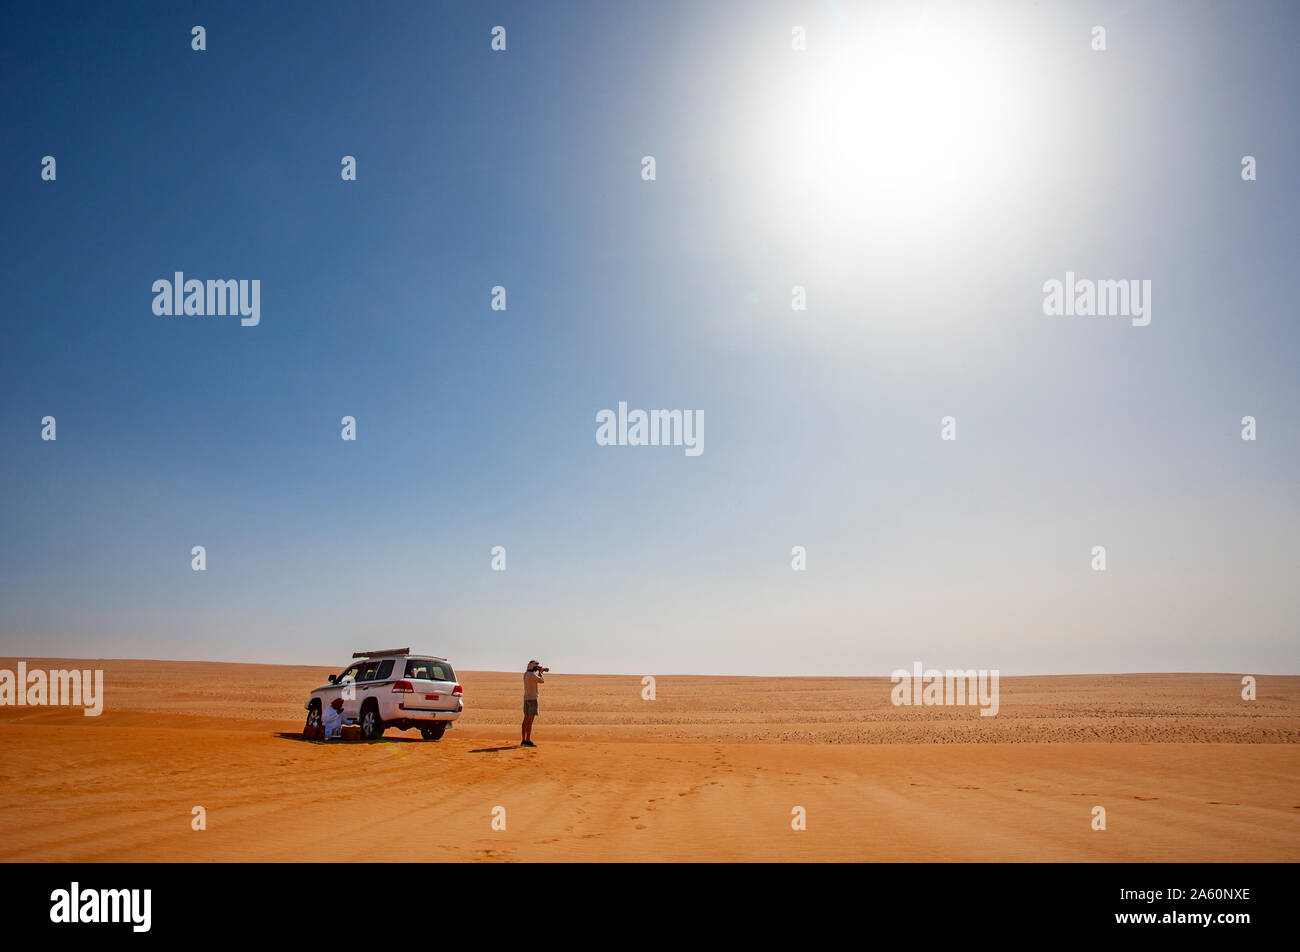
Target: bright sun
(896, 121)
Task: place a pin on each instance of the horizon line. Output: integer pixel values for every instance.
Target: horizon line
(614, 674)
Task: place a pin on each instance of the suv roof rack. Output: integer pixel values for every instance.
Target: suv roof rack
(387, 652)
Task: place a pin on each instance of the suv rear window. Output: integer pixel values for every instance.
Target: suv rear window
(429, 670)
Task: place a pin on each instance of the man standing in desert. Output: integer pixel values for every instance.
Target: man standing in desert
(532, 678)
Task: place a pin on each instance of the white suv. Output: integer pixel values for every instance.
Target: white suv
(392, 688)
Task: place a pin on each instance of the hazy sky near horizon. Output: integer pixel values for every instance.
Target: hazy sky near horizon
(921, 169)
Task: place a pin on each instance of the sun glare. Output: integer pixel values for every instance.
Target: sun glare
(898, 121)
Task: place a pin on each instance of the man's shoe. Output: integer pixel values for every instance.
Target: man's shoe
(528, 743)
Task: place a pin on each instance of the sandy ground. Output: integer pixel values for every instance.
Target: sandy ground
(709, 770)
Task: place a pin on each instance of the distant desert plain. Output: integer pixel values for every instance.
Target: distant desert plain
(712, 769)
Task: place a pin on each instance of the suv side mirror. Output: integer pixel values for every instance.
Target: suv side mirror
(334, 679)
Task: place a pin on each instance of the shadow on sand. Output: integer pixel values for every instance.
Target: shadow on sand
(297, 735)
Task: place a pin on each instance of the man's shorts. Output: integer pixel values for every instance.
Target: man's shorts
(530, 706)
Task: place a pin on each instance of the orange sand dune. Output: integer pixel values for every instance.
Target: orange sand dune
(709, 770)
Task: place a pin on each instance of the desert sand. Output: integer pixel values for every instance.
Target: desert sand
(709, 770)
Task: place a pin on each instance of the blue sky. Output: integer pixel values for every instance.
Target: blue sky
(921, 197)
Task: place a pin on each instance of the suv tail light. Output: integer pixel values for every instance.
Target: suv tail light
(402, 687)
(456, 691)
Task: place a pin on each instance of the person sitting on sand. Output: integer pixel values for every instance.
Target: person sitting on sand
(332, 720)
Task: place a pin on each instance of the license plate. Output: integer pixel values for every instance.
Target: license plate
(431, 697)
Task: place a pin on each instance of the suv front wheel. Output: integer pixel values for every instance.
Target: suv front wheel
(433, 731)
(372, 727)
(312, 730)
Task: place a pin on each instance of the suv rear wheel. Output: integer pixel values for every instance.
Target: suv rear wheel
(372, 727)
(433, 731)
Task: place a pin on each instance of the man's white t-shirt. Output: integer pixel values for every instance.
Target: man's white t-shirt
(531, 680)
